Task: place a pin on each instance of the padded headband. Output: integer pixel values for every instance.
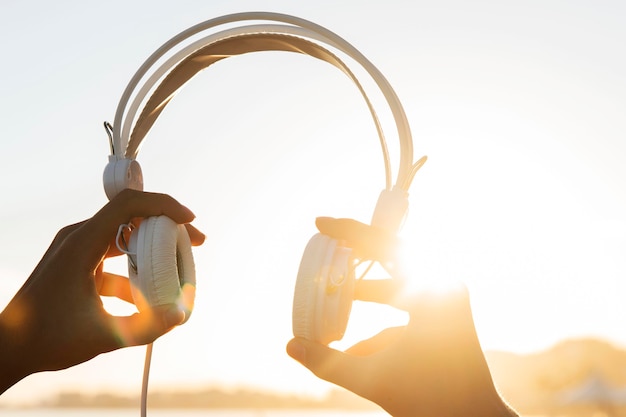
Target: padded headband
(298, 36)
(221, 49)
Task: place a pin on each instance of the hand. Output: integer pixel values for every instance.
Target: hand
(433, 366)
(57, 320)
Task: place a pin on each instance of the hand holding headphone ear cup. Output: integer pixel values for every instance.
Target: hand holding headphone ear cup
(324, 291)
(162, 270)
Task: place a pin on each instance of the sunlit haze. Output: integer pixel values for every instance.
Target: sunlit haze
(519, 106)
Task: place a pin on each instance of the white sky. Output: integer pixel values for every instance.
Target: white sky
(519, 106)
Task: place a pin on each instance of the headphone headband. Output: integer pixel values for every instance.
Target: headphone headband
(257, 38)
(209, 54)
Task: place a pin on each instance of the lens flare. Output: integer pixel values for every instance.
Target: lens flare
(417, 279)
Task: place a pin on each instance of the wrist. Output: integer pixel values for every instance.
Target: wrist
(12, 353)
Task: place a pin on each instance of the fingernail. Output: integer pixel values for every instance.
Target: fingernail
(296, 350)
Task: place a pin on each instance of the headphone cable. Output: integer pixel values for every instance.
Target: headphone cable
(144, 383)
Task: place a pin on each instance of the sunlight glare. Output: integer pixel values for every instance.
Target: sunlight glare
(411, 272)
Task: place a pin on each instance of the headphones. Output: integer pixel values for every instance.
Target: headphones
(161, 265)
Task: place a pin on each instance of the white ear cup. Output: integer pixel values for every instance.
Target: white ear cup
(324, 291)
(164, 271)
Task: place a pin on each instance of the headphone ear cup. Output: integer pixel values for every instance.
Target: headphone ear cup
(324, 291)
(161, 267)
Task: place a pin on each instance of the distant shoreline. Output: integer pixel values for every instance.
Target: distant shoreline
(242, 399)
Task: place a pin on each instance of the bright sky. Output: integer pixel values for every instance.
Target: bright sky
(519, 106)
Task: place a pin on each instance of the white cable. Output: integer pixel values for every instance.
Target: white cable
(144, 382)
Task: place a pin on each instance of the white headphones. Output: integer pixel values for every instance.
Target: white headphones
(160, 260)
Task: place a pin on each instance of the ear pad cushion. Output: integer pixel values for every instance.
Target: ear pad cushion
(324, 291)
(165, 272)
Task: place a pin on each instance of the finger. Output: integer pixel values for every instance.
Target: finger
(383, 291)
(369, 242)
(113, 285)
(196, 236)
(130, 203)
(451, 308)
(377, 343)
(146, 326)
(125, 206)
(329, 364)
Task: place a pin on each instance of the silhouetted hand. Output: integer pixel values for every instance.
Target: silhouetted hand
(57, 320)
(432, 367)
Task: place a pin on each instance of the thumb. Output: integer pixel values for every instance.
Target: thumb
(145, 327)
(329, 364)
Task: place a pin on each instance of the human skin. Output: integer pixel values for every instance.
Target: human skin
(433, 366)
(57, 319)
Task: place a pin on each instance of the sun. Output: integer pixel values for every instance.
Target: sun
(419, 279)
(384, 296)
